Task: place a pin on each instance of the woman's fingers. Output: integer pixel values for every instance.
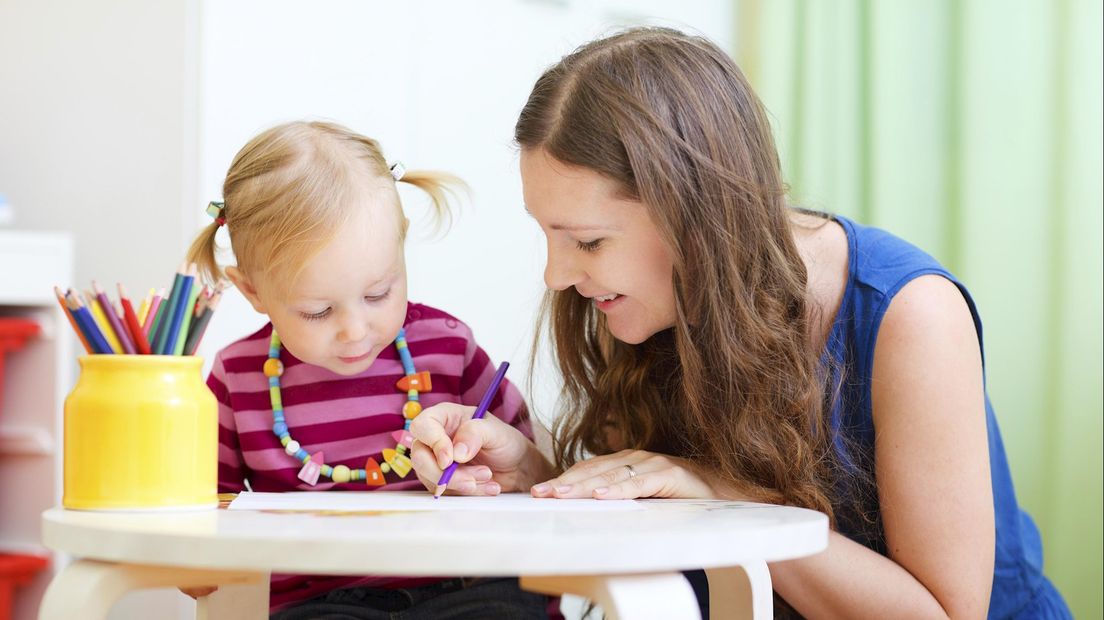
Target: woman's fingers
(585, 476)
(628, 474)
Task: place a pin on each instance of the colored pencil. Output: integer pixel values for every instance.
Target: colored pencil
(164, 317)
(199, 327)
(93, 306)
(72, 321)
(143, 308)
(189, 312)
(135, 328)
(176, 318)
(480, 411)
(108, 308)
(85, 319)
(172, 324)
(151, 314)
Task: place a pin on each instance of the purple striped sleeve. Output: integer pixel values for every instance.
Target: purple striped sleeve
(231, 470)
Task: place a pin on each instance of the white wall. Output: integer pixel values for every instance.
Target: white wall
(97, 129)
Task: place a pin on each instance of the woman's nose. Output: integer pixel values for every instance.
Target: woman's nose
(560, 271)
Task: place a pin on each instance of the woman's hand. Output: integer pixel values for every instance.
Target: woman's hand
(494, 457)
(629, 474)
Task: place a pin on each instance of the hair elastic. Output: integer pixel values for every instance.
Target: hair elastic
(398, 170)
(214, 209)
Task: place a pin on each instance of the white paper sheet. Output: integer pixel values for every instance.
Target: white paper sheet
(422, 500)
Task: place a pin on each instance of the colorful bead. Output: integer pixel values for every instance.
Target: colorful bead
(373, 473)
(273, 367)
(403, 438)
(311, 469)
(340, 473)
(400, 463)
(418, 381)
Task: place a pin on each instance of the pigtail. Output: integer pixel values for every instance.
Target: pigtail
(444, 189)
(202, 253)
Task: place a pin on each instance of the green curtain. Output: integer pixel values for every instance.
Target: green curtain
(973, 129)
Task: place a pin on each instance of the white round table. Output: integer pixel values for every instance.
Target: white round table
(626, 562)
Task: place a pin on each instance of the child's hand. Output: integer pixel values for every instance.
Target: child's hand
(629, 474)
(493, 456)
(199, 591)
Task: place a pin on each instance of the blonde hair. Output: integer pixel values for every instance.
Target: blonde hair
(292, 187)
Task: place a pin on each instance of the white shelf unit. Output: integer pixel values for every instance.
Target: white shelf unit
(36, 379)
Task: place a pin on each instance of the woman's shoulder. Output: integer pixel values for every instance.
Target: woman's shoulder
(884, 261)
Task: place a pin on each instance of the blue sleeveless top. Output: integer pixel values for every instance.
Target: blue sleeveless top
(879, 266)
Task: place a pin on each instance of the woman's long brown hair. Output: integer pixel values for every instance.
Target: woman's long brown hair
(737, 384)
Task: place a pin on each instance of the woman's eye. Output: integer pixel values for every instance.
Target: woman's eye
(589, 246)
(315, 316)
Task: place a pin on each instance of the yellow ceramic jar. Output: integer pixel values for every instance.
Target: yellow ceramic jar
(141, 433)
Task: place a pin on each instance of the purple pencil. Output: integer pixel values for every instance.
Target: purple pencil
(113, 319)
(480, 411)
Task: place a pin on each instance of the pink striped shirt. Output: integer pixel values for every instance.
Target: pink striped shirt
(349, 419)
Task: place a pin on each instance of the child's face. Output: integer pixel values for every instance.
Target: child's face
(349, 301)
(603, 245)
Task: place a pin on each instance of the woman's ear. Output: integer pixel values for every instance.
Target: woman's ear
(247, 288)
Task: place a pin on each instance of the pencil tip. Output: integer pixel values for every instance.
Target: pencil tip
(438, 491)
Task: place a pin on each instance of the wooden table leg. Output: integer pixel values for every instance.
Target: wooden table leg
(626, 597)
(233, 601)
(741, 591)
(88, 588)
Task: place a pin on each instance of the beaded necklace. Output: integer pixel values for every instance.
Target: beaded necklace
(373, 472)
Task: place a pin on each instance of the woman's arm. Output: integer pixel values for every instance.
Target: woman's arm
(932, 471)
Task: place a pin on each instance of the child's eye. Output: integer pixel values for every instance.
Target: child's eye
(317, 316)
(379, 297)
(589, 246)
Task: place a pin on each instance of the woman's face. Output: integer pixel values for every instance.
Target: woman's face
(601, 244)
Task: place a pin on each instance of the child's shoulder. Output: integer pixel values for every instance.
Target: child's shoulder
(424, 321)
(248, 348)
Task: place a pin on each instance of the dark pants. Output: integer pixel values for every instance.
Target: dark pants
(451, 599)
